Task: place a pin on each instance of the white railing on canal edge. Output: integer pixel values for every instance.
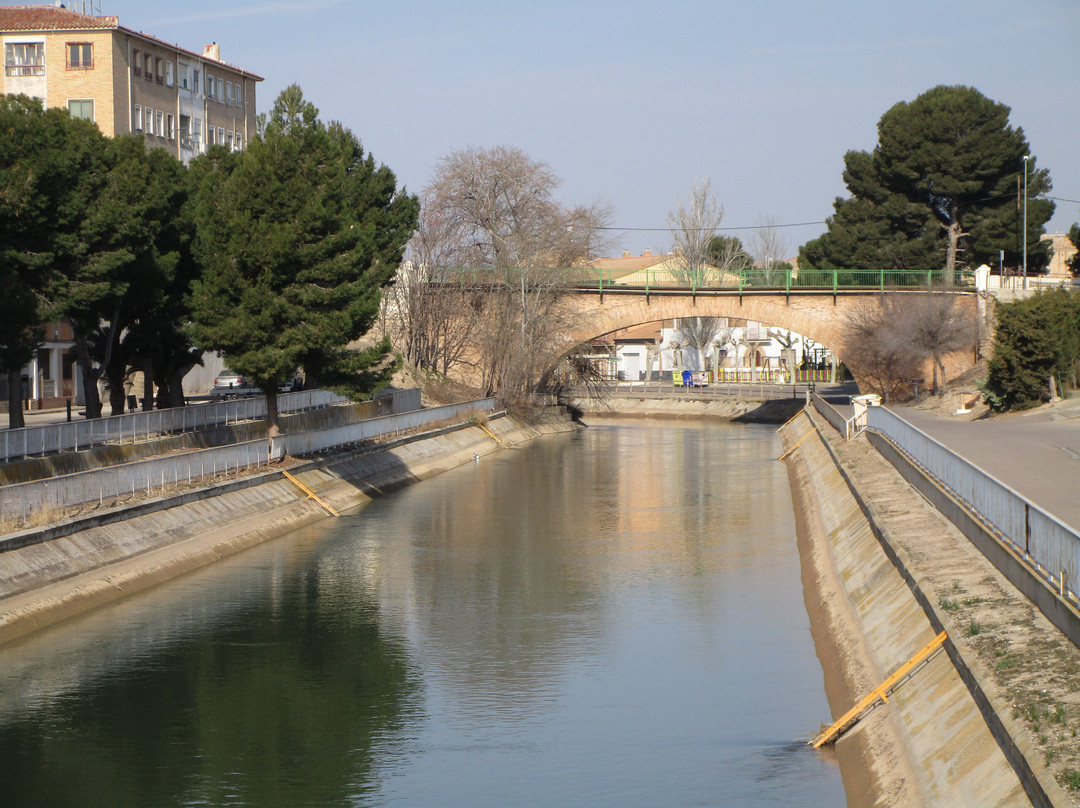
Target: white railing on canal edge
(75, 435)
(299, 444)
(746, 389)
(20, 500)
(1051, 547)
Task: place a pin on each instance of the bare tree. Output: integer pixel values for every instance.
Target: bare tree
(938, 325)
(490, 261)
(878, 346)
(769, 248)
(693, 227)
(700, 334)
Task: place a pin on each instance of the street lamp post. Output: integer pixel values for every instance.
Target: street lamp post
(1026, 158)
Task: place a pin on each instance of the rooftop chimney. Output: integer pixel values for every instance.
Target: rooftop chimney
(212, 51)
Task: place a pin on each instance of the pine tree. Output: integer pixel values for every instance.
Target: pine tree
(941, 190)
(297, 236)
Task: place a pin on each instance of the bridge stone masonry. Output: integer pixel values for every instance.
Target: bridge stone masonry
(819, 315)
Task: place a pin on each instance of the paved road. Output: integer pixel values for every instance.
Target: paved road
(1036, 453)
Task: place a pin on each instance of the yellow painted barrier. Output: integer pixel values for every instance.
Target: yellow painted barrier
(796, 446)
(493, 436)
(880, 693)
(311, 494)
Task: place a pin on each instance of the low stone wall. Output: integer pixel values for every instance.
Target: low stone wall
(104, 557)
(940, 739)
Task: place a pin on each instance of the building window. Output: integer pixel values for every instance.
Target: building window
(149, 67)
(209, 86)
(80, 56)
(136, 63)
(196, 134)
(159, 76)
(209, 136)
(220, 136)
(24, 59)
(228, 93)
(229, 140)
(81, 108)
(221, 90)
(170, 126)
(238, 94)
(149, 121)
(239, 142)
(159, 123)
(195, 81)
(169, 80)
(185, 76)
(136, 119)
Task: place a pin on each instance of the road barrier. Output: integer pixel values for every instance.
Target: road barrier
(145, 477)
(1049, 546)
(299, 444)
(42, 440)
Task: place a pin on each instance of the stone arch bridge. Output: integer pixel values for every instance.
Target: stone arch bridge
(818, 314)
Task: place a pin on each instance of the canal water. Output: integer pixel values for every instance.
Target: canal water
(608, 618)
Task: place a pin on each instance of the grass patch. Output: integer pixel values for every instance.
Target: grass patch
(1071, 779)
(974, 629)
(973, 601)
(1006, 663)
(948, 605)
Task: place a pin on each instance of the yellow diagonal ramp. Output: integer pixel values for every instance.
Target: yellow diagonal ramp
(879, 693)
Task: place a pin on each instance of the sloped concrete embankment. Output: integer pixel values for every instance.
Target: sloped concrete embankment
(931, 744)
(101, 558)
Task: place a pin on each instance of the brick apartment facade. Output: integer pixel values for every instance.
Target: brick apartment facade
(126, 82)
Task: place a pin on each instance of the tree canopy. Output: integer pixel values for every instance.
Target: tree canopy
(297, 235)
(942, 189)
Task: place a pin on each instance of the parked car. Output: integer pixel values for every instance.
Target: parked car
(230, 381)
(292, 385)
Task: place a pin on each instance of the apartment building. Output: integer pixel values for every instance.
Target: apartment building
(126, 81)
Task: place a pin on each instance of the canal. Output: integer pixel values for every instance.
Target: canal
(612, 617)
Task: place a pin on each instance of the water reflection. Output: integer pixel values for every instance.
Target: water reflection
(608, 618)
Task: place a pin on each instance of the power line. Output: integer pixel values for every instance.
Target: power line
(702, 229)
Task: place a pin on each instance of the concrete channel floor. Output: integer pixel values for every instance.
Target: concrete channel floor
(1033, 667)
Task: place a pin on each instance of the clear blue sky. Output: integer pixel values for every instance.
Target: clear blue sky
(632, 102)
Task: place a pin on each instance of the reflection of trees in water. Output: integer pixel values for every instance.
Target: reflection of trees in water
(278, 708)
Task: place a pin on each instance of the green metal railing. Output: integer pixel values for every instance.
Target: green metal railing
(751, 280)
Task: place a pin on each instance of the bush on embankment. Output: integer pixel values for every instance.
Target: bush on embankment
(1037, 339)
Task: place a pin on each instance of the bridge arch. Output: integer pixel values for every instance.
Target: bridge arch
(819, 316)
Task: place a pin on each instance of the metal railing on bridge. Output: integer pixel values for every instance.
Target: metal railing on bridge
(129, 428)
(748, 281)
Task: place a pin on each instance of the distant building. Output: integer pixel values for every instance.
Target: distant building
(126, 81)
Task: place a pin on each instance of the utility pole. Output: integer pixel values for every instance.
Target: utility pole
(1026, 158)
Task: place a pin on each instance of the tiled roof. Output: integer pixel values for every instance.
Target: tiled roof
(50, 18)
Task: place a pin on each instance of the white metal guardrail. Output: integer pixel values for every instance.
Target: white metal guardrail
(22, 500)
(319, 440)
(75, 435)
(1052, 547)
(831, 414)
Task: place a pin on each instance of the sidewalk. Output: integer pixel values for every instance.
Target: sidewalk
(1036, 453)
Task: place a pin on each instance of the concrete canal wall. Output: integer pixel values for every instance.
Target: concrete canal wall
(56, 573)
(945, 737)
